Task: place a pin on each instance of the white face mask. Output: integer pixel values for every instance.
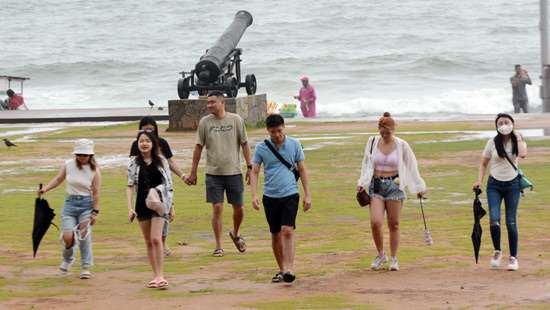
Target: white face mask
(506, 129)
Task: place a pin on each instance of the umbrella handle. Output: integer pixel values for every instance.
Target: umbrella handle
(423, 217)
(477, 191)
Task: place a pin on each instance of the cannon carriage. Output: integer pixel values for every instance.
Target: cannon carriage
(220, 66)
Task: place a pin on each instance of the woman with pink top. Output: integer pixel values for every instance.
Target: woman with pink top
(389, 165)
(307, 98)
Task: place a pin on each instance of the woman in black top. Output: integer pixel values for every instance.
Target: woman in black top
(148, 123)
(149, 170)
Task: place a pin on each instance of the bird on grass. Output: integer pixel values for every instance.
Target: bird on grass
(8, 143)
(151, 104)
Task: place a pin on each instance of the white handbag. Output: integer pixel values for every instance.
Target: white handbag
(154, 201)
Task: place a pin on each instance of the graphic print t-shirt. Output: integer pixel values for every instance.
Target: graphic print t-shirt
(222, 139)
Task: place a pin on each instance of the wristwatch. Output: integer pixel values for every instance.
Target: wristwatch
(249, 167)
(95, 211)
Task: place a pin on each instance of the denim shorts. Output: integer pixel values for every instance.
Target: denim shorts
(389, 190)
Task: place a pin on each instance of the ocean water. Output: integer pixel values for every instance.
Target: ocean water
(363, 57)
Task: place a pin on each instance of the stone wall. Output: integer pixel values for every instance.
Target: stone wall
(185, 114)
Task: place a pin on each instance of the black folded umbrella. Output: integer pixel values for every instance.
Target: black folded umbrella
(479, 212)
(43, 216)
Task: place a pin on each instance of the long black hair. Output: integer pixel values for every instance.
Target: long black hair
(499, 138)
(155, 157)
(148, 120)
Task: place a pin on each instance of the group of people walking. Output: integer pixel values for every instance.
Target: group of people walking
(389, 167)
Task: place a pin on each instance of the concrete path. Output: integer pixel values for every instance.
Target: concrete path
(81, 115)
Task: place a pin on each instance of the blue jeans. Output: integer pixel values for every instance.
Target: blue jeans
(78, 209)
(509, 191)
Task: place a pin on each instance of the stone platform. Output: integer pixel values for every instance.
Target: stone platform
(185, 114)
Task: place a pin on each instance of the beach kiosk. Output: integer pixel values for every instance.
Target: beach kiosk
(14, 83)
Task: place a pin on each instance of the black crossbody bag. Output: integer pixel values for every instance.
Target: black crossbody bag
(283, 161)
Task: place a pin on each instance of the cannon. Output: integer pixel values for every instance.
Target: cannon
(220, 66)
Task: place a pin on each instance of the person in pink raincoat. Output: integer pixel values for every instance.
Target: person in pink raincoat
(307, 98)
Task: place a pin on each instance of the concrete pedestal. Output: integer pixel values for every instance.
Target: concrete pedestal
(185, 114)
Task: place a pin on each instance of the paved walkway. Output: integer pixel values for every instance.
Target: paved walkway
(81, 115)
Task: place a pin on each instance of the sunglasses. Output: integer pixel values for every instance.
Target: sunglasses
(83, 155)
(146, 130)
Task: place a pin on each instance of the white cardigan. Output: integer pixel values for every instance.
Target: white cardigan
(408, 168)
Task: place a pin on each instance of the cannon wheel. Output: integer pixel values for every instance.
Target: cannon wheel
(250, 82)
(183, 88)
(233, 88)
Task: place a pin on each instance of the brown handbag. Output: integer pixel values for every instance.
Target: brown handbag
(363, 197)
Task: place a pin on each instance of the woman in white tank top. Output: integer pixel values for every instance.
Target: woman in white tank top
(81, 205)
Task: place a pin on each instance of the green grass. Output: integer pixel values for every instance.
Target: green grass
(311, 302)
(335, 225)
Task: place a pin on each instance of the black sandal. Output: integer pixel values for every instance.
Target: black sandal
(239, 242)
(278, 278)
(289, 277)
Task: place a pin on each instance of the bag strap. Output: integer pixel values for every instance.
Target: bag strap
(372, 144)
(510, 161)
(279, 157)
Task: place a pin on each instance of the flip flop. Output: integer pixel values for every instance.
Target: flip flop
(238, 241)
(162, 284)
(218, 253)
(152, 284)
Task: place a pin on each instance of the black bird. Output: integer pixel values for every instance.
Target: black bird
(151, 104)
(8, 143)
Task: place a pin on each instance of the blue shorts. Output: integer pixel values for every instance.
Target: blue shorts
(389, 189)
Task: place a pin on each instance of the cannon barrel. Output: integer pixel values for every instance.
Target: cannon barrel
(210, 66)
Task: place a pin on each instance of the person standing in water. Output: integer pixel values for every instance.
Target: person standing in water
(307, 98)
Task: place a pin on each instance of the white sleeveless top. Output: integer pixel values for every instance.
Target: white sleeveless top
(79, 181)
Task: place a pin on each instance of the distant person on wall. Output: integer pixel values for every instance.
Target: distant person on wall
(519, 94)
(307, 98)
(15, 101)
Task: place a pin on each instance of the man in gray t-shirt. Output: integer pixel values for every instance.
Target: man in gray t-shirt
(519, 94)
(223, 134)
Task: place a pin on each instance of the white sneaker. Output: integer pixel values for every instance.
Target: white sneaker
(495, 260)
(513, 264)
(378, 262)
(65, 267)
(394, 265)
(85, 273)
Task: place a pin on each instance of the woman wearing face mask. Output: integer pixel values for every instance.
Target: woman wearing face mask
(389, 165)
(149, 171)
(148, 123)
(503, 184)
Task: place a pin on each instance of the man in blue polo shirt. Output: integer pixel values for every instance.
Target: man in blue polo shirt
(281, 194)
